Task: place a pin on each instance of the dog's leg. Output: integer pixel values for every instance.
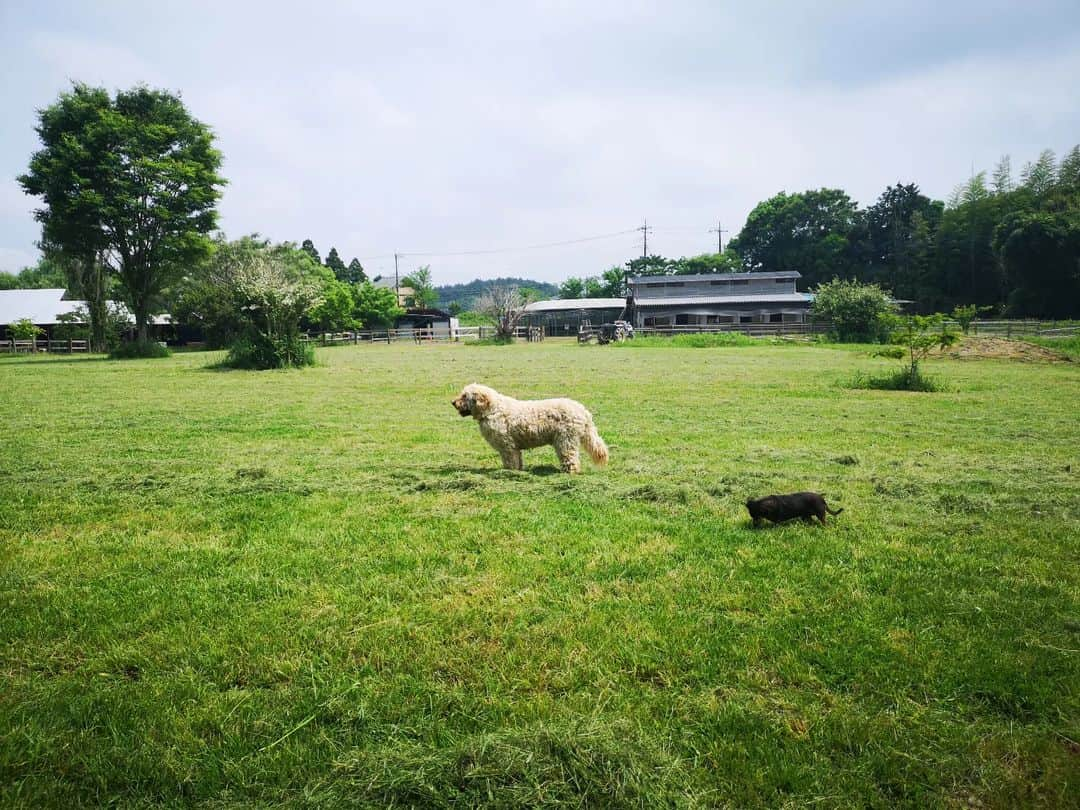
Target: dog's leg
(511, 459)
(516, 461)
(569, 455)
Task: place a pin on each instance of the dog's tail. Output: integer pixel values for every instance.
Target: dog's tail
(832, 512)
(595, 445)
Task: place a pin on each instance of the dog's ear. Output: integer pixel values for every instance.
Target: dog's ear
(481, 402)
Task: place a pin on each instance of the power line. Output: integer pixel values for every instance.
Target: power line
(517, 249)
(644, 230)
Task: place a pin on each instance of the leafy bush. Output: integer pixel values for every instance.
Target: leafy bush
(859, 313)
(137, 349)
(700, 340)
(272, 289)
(255, 351)
(25, 330)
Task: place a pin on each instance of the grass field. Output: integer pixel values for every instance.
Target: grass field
(316, 588)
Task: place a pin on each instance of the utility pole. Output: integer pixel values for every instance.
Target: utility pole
(719, 231)
(645, 229)
(397, 291)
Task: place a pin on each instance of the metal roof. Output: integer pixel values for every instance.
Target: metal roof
(715, 276)
(43, 307)
(37, 306)
(764, 298)
(570, 304)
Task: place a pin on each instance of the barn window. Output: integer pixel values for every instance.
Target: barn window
(776, 317)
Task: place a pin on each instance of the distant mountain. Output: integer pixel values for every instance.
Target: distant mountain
(465, 294)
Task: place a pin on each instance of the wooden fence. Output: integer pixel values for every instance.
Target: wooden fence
(989, 328)
(416, 335)
(54, 346)
(1020, 328)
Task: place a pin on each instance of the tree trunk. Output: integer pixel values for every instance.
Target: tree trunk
(142, 333)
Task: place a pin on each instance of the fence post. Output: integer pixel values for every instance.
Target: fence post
(1008, 329)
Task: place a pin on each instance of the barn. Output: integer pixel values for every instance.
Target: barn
(564, 316)
(718, 299)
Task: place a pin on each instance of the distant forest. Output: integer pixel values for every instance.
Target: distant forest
(463, 295)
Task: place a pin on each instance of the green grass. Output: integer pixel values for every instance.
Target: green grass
(702, 340)
(315, 587)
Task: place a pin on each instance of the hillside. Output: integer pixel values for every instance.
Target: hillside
(465, 294)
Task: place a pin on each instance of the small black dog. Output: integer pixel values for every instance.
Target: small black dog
(778, 508)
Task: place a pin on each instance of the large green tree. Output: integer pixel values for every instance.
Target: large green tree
(336, 264)
(45, 274)
(651, 265)
(131, 181)
(726, 262)
(897, 238)
(355, 273)
(375, 307)
(1041, 255)
(809, 232)
(424, 294)
(309, 248)
(613, 282)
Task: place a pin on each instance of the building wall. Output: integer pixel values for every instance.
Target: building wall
(673, 287)
(716, 317)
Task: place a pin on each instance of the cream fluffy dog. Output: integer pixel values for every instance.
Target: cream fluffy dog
(512, 425)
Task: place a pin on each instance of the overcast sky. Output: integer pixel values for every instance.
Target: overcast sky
(449, 127)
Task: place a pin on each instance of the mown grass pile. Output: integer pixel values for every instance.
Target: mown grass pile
(316, 587)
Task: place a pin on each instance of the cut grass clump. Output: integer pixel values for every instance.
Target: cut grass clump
(701, 340)
(902, 379)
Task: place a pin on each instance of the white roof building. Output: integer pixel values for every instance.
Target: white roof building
(40, 307)
(44, 307)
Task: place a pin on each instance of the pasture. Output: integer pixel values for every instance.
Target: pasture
(317, 587)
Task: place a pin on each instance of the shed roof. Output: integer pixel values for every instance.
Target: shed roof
(716, 276)
(764, 298)
(37, 306)
(572, 304)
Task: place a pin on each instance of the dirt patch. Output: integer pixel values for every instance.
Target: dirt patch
(975, 348)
